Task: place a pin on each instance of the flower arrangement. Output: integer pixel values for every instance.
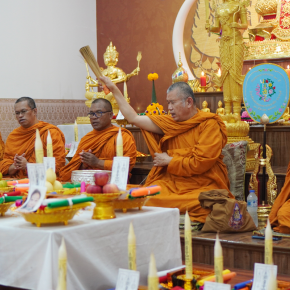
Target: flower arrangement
(152, 77)
(155, 109)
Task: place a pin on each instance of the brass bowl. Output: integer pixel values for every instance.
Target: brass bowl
(4, 207)
(141, 159)
(104, 208)
(7, 189)
(126, 204)
(57, 216)
(87, 176)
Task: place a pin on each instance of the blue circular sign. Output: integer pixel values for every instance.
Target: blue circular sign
(266, 91)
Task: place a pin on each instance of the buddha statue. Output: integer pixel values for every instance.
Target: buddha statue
(220, 110)
(204, 107)
(286, 115)
(117, 75)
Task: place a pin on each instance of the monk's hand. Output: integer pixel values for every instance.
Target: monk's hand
(161, 159)
(20, 162)
(107, 82)
(89, 159)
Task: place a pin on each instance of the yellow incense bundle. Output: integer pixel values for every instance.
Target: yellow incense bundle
(88, 55)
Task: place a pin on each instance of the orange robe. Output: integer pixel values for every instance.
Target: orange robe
(2, 147)
(197, 163)
(280, 213)
(103, 146)
(22, 140)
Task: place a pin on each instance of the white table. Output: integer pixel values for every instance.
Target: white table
(96, 249)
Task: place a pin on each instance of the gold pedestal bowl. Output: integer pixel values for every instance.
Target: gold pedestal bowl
(104, 208)
(4, 207)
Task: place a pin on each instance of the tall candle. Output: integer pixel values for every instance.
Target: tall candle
(188, 247)
(202, 79)
(268, 244)
(153, 280)
(218, 260)
(49, 150)
(272, 282)
(132, 248)
(38, 148)
(219, 72)
(76, 130)
(62, 261)
(119, 145)
(288, 70)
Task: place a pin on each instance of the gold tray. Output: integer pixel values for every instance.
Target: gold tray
(6, 189)
(141, 159)
(4, 207)
(126, 204)
(61, 216)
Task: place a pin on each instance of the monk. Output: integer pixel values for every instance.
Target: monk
(2, 147)
(19, 147)
(280, 213)
(186, 147)
(97, 149)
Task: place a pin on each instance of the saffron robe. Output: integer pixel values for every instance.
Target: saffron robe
(103, 146)
(280, 213)
(2, 147)
(22, 140)
(197, 165)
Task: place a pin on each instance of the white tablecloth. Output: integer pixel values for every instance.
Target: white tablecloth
(96, 249)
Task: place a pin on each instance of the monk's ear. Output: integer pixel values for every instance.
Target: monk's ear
(111, 115)
(190, 102)
(35, 111)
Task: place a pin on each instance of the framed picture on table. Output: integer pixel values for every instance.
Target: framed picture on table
(36, 196)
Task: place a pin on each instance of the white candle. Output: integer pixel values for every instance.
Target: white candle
(132, 248)
(153, 280)
(62, 261)
(49, 149)
(268, 244)
(272, 282)
(188, 247)
(119, 145)
(38, 148)
(218, 261)
(76, 131)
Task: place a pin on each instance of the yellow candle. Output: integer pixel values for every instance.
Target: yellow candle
(49, 150)
(132, 248)
(188, 247)
(38, 148)
(119, 146)
(76, 130)
(62, 261)
(218, 261)
(268, 244)
(272, 282)
(153, 280)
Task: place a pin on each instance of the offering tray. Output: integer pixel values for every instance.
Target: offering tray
(62, 215)
(87, 176)
(126, 204)
(141, 159)
(4, 207)
(7, 189)
(104, 208)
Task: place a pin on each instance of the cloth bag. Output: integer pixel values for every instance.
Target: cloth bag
(227, 214)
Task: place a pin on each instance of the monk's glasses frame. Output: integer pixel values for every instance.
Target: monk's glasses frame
(23, 112)
(97, 114)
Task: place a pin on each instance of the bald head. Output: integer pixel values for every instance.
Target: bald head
(182, 90)
(106, 104)
(30, 102)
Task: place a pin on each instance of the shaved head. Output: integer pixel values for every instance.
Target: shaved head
(30, 102)
(183, 90)
(107, 104)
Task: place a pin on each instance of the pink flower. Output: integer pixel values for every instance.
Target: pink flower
(280, 110)
(250, 110)
(270, 91)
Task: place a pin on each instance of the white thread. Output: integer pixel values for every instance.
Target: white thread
(70, 202)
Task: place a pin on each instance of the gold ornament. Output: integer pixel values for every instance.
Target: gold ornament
(204, 107)
(179, 75)
(220, 110)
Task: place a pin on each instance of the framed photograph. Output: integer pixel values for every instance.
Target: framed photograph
(36, 196)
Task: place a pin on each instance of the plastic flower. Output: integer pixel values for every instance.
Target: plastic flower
(152, 76)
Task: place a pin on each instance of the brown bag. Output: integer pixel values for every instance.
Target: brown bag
(227, 214)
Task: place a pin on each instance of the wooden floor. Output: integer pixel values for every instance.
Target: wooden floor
(240, 251)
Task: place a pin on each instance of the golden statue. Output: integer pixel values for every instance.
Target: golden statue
(286, 115)
(205, 107)
(117, 75)
(230, 17)
(220, 110)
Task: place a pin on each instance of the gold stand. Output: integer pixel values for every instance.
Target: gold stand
(203, 89)
(187, 282)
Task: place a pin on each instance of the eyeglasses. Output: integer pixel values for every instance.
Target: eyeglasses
(22, 112)
(97, 114)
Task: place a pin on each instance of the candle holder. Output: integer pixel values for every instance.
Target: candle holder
(189, 284)
(203, 89)
(217, 88)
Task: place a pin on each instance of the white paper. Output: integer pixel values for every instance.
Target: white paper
(120, 171)
(49, 162)
(262, 273)
(36, 174)
(127, 280)
(73, 149)
(120, 116)
(36, 195)
(216, 286)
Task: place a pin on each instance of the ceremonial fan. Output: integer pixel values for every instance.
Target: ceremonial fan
(88, 55)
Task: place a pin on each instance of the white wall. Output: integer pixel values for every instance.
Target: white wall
(39, 47)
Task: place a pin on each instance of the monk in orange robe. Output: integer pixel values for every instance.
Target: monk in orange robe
(186, 147)
(280, 213)
(19, 148)
(2, 147)
(97, 149)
